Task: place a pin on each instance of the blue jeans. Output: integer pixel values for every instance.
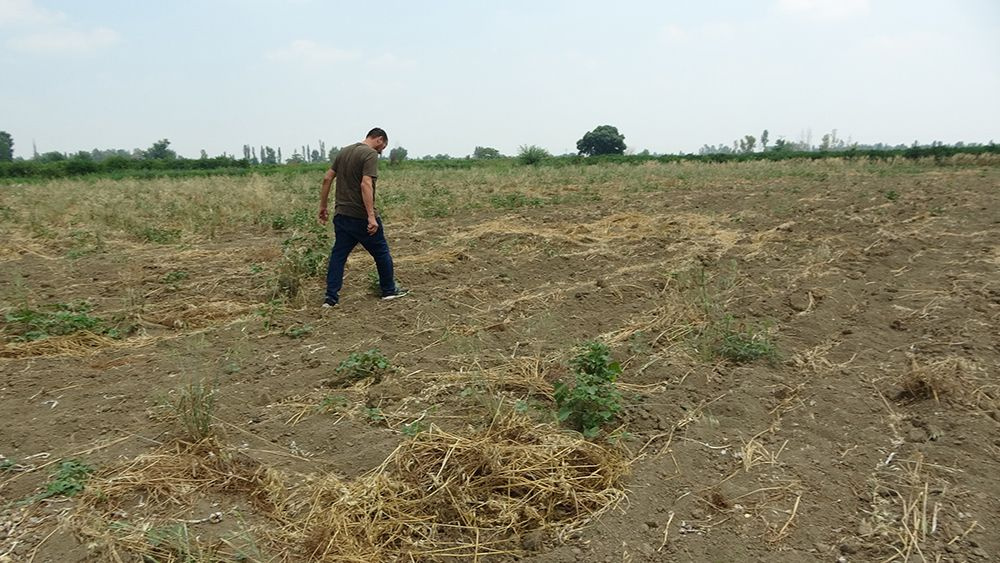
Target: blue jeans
(350, 231)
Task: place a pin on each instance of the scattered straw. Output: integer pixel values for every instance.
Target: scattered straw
(437, 496)
(443, 495)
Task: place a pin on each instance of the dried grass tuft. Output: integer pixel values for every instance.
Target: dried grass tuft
(443, 495)
(76, 344)
(122, 511)
(437, 496)
(952, 378)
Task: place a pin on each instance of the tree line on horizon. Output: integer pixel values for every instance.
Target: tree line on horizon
(602, 141)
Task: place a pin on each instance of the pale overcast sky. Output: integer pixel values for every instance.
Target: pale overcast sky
(445, 76)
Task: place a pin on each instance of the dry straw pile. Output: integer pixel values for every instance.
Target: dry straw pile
(436, 497)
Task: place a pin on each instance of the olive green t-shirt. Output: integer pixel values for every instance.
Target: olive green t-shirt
(351, 164)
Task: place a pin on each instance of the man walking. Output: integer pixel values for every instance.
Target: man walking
(355, 220)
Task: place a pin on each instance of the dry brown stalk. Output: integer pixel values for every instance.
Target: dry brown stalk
(439, 495)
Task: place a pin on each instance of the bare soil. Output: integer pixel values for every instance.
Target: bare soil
(874, 435)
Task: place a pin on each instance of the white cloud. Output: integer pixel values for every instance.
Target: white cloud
(64, 41)
(675, 33)
(42, 31)
(24, 12)
(906, 44)
(824, 10)
(310, 53)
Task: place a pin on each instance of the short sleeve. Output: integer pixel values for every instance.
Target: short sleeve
(370, 167)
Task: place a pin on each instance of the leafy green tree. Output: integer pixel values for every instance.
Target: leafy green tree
(52, 156)
(332, 153)
(763, 140)
(747, 144)
(6, 147)
(781, 145)
(160, 151)
(604, 139)
(397, 154)
(531, 154)
(713, 149)
(486, 152)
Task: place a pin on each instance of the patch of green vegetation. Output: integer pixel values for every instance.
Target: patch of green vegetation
(268, 311)
(531, 154)
(69, 479)
(438, 201)
(374, 286)
(194, 406)
(298, 331)
(639, 344)
(58, 319)
(361, 365)
(158, 235)
(723, 337)
(84, 243)
(892, 195)
(332, 403)
(300, 219)
(514, 201)
(387, 200)
(6, 464)
(304, 255)
(593, 400)
(374, 414)
(739, 342)
(175, 276)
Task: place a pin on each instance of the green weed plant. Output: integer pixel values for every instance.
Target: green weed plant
(593, 400)
(69, 479)
(60, 319)
(304, 256)
(740, 343)
(361, 365)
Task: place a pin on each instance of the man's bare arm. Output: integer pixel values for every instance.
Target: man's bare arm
(368, 196)
(324, 195)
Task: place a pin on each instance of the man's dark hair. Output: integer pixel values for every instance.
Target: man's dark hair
(378, 132)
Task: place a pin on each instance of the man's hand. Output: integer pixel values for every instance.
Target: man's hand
(324, 215)
(372, 226)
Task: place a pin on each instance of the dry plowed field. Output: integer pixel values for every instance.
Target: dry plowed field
(810, 360)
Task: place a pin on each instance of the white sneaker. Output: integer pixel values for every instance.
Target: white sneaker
(400, 292)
